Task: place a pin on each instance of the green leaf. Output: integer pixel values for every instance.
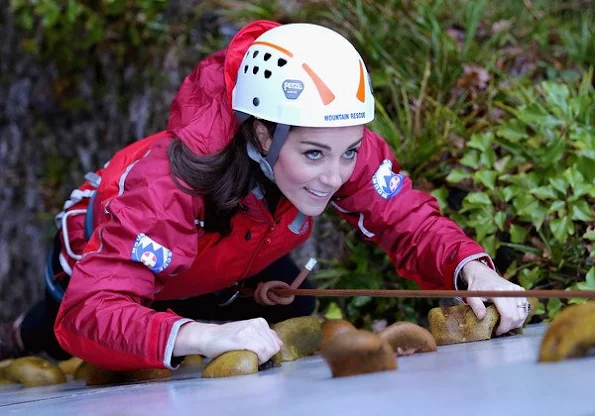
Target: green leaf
(540, 309)
(544, 192)
(490, 244)
(500, 219)
(518, 234)
(562, 228)
(483, 228)
(537, 115)
(333, 311)
(557, 206)
(510, 192)
(587, 153)
(581, 211)
(73, 10)
(513, 131)
(554, 305)
(583, 138)
(51, 12)
(360, 301)
(478, 198)
(538, 216)
(471, 159)
(590, 278)
(487, 178)
(586, 86)
(528, 277)
(581, 190)
(525, 203)
(26, 20)
(457, 175)
(560, 184)
(573, 177)
(488, 158)
(557, 94)
(589, 235)
(481, 141)
(441, 195)
(589, 283)
(502, 164)
(554, 152)
(577, 301)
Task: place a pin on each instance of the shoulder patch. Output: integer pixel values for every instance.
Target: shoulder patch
(386, 182)
(153, 255)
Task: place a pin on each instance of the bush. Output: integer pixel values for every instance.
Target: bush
(530, 184)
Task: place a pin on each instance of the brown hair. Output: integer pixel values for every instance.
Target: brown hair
(223, 179)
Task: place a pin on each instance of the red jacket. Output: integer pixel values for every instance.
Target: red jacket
(148, 243)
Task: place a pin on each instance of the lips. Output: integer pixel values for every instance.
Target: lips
(318, 193)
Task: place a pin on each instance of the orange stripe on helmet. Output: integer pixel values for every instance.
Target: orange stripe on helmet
(272, 45)
(326, 94)
(361, 89)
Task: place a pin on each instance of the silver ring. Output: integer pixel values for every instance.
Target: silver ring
(526, 306)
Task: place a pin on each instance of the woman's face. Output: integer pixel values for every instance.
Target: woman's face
(314, 163)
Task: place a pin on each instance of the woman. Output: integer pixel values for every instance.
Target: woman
(261, 137)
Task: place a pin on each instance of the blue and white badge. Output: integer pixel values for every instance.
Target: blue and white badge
(153, 255)
(292, 88)
(386, 182)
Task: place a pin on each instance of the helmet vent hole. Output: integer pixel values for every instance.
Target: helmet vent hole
(255, 101)
(245, 69)
(281, 62)
(255, 54)
(267, 56)
(255, 70)
(267, 74)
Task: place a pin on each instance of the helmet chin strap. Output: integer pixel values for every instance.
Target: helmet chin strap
(267, 162)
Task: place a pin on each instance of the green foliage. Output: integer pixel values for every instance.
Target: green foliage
(122, 27)
(531, 185)
(367, 267)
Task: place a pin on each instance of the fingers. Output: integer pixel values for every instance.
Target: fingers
(253, 335)
(261, 339)
(513, 313)
(479, 309)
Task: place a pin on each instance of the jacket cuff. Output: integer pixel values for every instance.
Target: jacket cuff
(171, 341)
(483, 257)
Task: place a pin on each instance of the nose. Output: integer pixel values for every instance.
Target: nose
(332, 177)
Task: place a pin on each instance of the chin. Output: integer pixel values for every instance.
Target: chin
(309, 210)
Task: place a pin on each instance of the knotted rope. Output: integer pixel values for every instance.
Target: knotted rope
(276, 292)
(266, 293)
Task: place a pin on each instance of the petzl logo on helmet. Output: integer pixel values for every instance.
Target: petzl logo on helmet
(386, 182)
(151, 254)
(292, 88)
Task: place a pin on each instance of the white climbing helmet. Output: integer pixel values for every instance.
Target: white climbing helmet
(304, 75)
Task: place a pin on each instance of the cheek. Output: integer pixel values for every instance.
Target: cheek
(347, 171)
(293, 173)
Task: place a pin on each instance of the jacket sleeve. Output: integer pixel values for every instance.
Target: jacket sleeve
(148, 233)
(406, 223)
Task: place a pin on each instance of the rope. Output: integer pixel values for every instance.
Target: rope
(276, 292)
(542, 294)
(268, 293)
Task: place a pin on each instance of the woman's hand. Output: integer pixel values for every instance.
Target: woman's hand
(480, 277)
(211, 340)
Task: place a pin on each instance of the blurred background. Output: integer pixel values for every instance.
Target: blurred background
(489, 106)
